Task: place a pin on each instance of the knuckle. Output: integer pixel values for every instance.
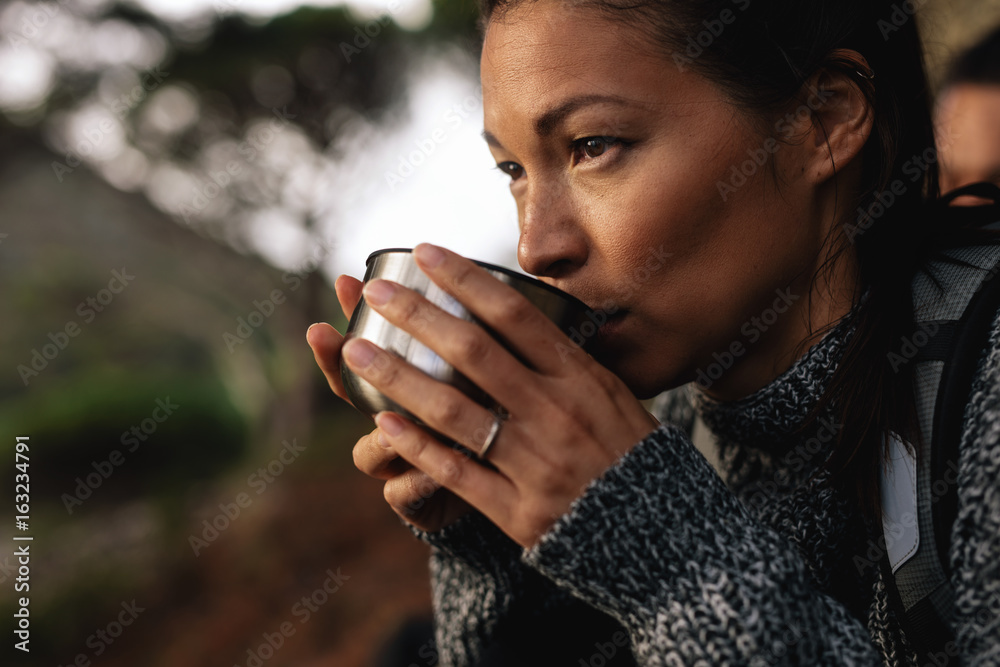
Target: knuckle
(398, 496)
(370, 457)
(567, 420)
(473, 344)
(463, 277)
(448, 411)
(384, 369)
(422, 487)
(607, 382)
(423, 319)
(516, 310)
(410, 311)
(450, 473)
(557, 471)
(407, 494)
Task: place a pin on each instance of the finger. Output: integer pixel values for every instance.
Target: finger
(441, 407)
(348, 293)
(489, 491)
(421, 501)
(376, 459)
(326, 343)
(463, 344)
(526, 330)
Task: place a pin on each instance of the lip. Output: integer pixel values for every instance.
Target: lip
(612, 328)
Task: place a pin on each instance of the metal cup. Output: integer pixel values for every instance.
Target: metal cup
(398, 265)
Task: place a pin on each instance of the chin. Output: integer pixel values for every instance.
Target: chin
(635, 372)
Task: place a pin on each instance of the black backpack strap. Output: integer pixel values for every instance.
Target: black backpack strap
(928, 621)
(961, 319)
(971, 336)
(970, 340)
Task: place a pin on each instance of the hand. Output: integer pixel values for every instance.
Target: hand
(570, 418)
(411, 493)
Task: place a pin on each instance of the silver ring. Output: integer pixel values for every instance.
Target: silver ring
(499, 417)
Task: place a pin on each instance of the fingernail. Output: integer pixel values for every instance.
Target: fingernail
(358, 354)
(378, 292)
(389, 423)
(308, 331)
(429, 255)
(381, 439)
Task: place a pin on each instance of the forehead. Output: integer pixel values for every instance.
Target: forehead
(543, 51)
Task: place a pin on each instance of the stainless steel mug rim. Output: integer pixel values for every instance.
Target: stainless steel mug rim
(502, 269)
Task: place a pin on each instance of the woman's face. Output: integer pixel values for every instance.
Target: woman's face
(626, 172)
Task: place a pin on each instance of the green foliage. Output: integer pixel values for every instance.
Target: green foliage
(83, 418)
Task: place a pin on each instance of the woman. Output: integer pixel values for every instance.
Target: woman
(714, 178)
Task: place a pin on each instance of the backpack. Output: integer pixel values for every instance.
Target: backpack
(955, 304)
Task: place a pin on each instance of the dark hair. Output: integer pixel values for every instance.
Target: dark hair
(979, 65)
(762, 59)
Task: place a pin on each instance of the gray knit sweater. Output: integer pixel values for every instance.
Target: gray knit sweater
(663, 562)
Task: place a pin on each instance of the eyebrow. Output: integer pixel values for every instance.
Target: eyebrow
(547, 123)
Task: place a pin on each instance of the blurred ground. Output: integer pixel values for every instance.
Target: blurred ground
(213, 610)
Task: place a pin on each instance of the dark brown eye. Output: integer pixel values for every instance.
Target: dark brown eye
(595, 146)
(512, 169)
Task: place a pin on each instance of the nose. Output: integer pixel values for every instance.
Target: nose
(553, 243)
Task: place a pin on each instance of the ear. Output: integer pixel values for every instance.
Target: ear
(840, 114)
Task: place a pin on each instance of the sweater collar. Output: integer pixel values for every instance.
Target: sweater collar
(766, 418)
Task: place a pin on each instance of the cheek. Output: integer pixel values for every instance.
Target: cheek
(711, 226)
(729, 249)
